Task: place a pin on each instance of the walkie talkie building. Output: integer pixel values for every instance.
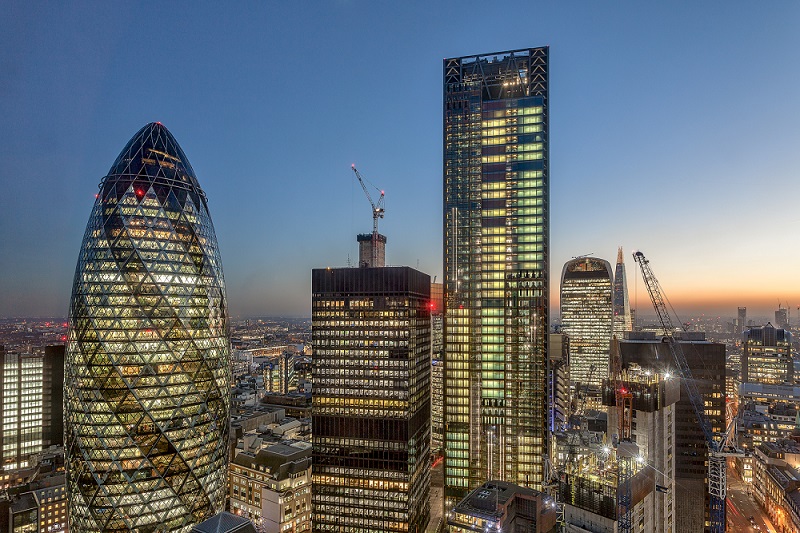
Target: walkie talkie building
(146, 375)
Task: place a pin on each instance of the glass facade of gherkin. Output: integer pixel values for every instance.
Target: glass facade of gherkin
(147, 372)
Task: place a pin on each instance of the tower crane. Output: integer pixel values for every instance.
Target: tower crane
(375, 255)
(377, 209)
(719, 447)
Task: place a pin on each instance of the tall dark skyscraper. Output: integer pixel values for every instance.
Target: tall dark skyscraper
(53, 396)
(496, 221)
(371, 403)
(147, 379)
(622, 305)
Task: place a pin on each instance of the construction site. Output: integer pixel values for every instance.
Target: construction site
(612, 473)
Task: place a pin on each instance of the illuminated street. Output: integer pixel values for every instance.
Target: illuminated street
(741, 506)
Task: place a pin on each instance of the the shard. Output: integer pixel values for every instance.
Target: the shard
(147, 372)
(622, 306)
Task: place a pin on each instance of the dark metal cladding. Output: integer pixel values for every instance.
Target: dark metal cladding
(147, 367)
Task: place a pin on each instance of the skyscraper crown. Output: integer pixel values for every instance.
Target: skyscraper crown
(152, 158)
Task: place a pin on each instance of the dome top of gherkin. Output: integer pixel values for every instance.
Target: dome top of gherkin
(151, 158)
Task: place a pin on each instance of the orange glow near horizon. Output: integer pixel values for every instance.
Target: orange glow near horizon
(714, 298)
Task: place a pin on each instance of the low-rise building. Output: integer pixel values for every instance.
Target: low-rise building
(776, 483)
(225, 523)
(42, 509)
(498, 506)
(272, 487)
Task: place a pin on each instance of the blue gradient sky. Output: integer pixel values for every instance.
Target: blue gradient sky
(675, 129)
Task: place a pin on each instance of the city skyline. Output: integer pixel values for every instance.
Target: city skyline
(678, 133)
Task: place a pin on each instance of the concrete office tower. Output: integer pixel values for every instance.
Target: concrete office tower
(587, 317)
(147, 379)
(706, 360)
(371, 409)
(767, 356)
(371, 250)
(647, 417)
(496, 222)
(622, 305)
(741, 320)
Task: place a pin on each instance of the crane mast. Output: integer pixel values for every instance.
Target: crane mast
(371, 246)
(717, 447)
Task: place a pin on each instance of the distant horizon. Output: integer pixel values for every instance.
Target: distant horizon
(755, 314)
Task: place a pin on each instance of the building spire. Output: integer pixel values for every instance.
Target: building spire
(619, 256)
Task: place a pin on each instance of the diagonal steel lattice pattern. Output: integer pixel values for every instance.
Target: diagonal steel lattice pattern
(147, 371)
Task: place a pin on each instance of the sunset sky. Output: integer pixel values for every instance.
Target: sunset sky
(675, 130)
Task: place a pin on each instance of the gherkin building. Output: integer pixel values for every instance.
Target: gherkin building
(147, 373)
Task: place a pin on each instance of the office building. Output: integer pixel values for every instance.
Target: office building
(622, 305)
(767, 356)
(782, 317)
(371, 408)
(53, 396)
(147, 382)
(706, 361)
(279, 373)
(741, 320)
(496, 225)
(41, 509)
(437, 401)
(31, 393)
(776, 483)
(272, 487)
(437, 367)
(21, 431)
(497, 506)
(587, 317)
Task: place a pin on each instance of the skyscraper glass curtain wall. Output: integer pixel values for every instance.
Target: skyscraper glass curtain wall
(146, 376)
(496, 255)
(586, 317)
(622, 305)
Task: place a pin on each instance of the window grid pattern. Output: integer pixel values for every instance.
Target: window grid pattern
(587, 318)
(371, 403)
(147, 372)
(22, 409)
(495, 251)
